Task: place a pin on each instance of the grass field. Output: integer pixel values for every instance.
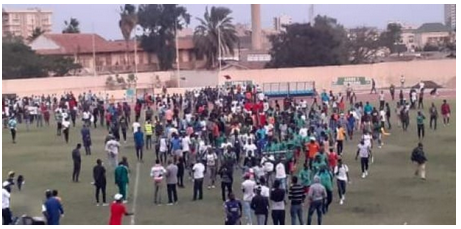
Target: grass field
(389, 195)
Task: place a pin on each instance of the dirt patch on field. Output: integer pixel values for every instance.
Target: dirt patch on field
(451, 83)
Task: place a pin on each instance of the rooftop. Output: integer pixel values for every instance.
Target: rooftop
(433, 28)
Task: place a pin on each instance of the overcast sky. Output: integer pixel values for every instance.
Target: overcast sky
(104, 18)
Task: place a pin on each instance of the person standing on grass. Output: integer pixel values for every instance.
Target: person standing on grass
(77, 159)
(260, 206)
(99, 181)
(281, 175)
(433, 118)
(211, 163)
(326, 179)
(121, 179)
(364, 151)
(199, 173)
(420, 99)
(65, 129)
(123, 126)
(419, 158)
(341, 172)
(112, 148)
(233, 210)
(248, 187)
(387, 115)
(340, 137)
(277, 197)
(420, 123)
(157, 173)
(181, 169)
(12, 123)
(86, 139)
(171, 182)
(305, 177)
(52, 209)
(6, 196)
(297, 197)
(118, 210)
(445, 110)
(316, 196)
(381, 100)
(139, 143)
(148, 129)
(226, 180)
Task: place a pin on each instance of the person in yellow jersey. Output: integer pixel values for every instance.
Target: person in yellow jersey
(340, 137)
(148, 131)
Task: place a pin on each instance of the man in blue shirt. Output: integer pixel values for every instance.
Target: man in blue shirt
(52, 209)
(367, 108)
(12, 125)
(139, 143)
(176, 145)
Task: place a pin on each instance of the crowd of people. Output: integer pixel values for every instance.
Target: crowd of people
(228, 135)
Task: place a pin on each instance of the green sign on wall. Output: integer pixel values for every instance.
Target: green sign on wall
(357, 81)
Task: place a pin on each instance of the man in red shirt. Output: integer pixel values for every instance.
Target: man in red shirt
(313, 148)
(332, 159)
(446, 113)
(118, 210)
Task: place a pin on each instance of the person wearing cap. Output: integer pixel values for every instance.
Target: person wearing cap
(99, 181)
(316, 196)
(419, 158)
(118, 210)
(52, 209)
(260, 206)
(77, 159)
(6, 195)
(121, 179)
(12, 123)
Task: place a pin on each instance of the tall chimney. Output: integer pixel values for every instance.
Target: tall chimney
(256, 26)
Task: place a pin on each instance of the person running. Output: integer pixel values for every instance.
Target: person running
(260, 206)
(86, 139)
(419, 158)
(434, 114)
(248, 187)
(77, 159)
(199, 173)
(341, 172)
(171, 182)
(316, 196)
(139, 144)
(121, 179)
(157, 173)
(445, 110)
(297, 196)
(364, 151)
(118, 210)
(99, 181)
(12, 123)
(277, 197)
(420, 123)
(233, 210)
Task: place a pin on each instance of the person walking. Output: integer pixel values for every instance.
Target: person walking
(341, 172)
(118, 210)
(171, 182)
(157, 173)
(233, 209)
(340, 137)
(123, 126)
(199, 173)
(373, 87)
(211, 163)
(277, 197)
(326, 179)
(6, 196)
(77, 159)
(181, 170)
(225, 172)
(260, 206)
(445, 110)
(121, 179)
(139, 143)
(148, 129)
(86, 139)
(12, 123)
(316, 196)
(434, 116)
(52, 209)
(99, 181)
(65, 129)
(364, 151)
(112, 148)
(419, 158)
(297, 196)
(420, 123)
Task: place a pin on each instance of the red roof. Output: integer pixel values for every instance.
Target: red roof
(71, 44)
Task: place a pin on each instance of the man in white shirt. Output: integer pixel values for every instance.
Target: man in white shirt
(112, 148)
(6, 212)
(199, 172)
(86, 118)
(280, 174)
(185, 143)
(211, 163)
(157, 172)
(136, 126)
(303, 132)
(248, 187)
(268, 165)
(341, 172)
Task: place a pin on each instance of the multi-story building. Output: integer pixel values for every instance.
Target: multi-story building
(434, 34)
(281, 21)
(23, 22)
(450, 15)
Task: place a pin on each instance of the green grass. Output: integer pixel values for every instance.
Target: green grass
(390, 195)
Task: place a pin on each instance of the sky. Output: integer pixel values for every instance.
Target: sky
(103, 19)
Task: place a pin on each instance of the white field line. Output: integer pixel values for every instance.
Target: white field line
(135, 193)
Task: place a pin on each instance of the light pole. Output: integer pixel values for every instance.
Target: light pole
(219, 44)
(177, 53)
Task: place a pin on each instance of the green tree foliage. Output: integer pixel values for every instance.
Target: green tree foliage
(128, 21)
(216, 24)
(303, 45)
(72, 26)
(391, 38)
(363, 43)
(160, 23)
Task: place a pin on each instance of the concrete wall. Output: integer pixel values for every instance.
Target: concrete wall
(439, 71)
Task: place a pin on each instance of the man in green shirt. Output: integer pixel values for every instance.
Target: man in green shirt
(121, 179)
(305, 176)
(326, 179)
(420, 123)
(317, 164)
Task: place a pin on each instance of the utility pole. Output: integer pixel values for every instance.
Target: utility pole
(311, 14)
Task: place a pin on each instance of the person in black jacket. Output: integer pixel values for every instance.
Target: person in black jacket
(180, 175)
(226, 180)
(260, 205)
(99, 176)
(277, 197)
(77, 159)
(419, 158)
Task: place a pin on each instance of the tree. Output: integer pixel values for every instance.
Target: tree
(128, 21)
(392, 37)
(303, 45)
(160, 23)
(61, 66)
(110, 83)
(131, 80)
(36, 33)
(216, 24)
(363, 43)
(72, 26)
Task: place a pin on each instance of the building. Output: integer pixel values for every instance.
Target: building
(95, 53)
(450, 15)
(23, 22)
(433, 34)
(281, 21)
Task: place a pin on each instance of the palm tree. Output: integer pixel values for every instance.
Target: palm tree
(36, 33)
(72, 26)
(215, 23)
(128, 21)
